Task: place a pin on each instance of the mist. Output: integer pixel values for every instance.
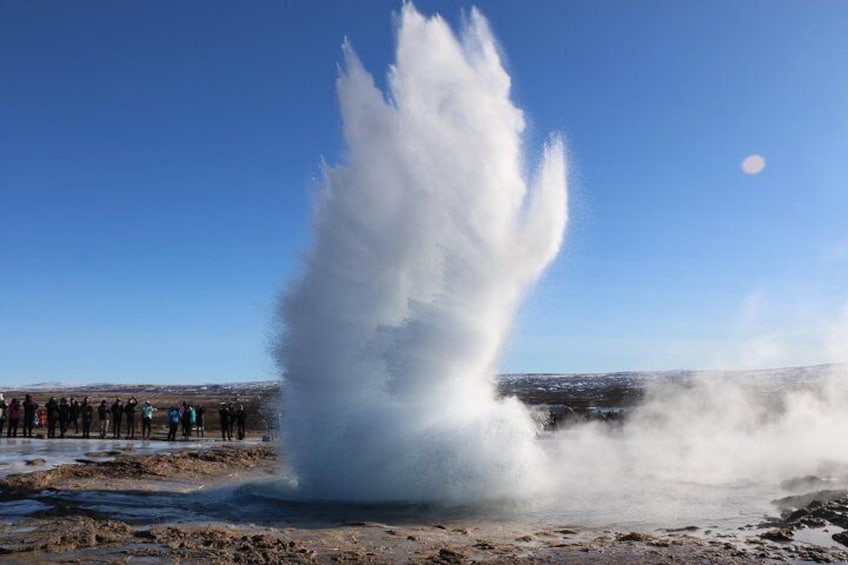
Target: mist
(719, 448)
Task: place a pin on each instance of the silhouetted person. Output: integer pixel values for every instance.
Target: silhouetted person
(4, 412)
(103, 418)
(14, 418)
(186, 420)
(30, 407)
(224, 415)
(87, 412)
(241, 420)
(117, 411)
(201, 429)
(74, 414)
(64, 416)
(232, 409)
(129, 408)
(52, 408)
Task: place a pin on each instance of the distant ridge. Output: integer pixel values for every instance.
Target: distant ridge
(805, 371)
(129, 387)
(821, 369)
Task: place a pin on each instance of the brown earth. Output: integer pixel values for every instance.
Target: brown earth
(68, 533)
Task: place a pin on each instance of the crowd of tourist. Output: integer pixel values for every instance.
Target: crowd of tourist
(112, 420)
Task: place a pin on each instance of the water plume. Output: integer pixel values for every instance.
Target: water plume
(425, 239)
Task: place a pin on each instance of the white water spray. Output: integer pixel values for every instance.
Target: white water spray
(425, 240)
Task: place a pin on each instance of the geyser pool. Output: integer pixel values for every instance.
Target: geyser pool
(425, 239)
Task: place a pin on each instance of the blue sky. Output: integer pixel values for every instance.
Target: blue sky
(157, 158)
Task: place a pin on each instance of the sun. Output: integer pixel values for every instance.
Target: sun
(753, 164)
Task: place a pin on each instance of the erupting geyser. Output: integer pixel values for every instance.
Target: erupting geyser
(425, 240)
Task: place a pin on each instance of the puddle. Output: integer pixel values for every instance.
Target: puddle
(821, 537)
(15, 510)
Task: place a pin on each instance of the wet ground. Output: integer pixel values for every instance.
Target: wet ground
(210, 503)
(21, 455)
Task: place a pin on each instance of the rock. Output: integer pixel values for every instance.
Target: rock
(34, 462)
(685, 529)
(450, 555)
(659, 543)
(796, 516)
(841, 537)
(780, 535)
(112, 453)
(634, 536)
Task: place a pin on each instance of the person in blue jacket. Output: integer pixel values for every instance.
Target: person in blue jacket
(173, 422)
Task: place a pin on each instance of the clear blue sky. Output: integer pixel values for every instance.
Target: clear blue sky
(156, 162)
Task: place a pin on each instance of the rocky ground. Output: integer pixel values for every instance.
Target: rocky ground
(64, 530)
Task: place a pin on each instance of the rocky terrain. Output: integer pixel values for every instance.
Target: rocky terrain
(133, 509)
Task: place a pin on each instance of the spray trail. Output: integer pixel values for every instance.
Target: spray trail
(425, 240)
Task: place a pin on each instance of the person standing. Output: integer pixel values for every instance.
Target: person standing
(173, 422)
(74, 414)
(186, 420)
(14, 418)
(64, 416)
(117, 410)
(231, 408)
(147, 419)
(87, 411)
(52, 408)
(129, 408)
(30, 407)
(3, 412)
(103, 418)
(241, 420)
(201, 430)
(224, 415)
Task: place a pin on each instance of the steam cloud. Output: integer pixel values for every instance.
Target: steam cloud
(425, 240)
